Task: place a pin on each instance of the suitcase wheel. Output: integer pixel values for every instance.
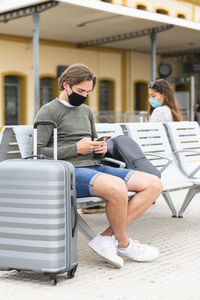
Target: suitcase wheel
(53, 281)
(71, 273)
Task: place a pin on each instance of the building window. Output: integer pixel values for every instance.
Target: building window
(11, 96)
(47, 91)
(141, 6)
(106, 97)
(162, 11)
(182, 16)
(106, 102)
(141, 95)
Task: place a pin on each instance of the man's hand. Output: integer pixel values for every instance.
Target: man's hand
(101, 148)
(86, 146)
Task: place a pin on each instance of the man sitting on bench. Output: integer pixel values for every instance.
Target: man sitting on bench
(77, 144)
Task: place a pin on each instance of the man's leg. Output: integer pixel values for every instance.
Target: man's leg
(120, 213)
(91, 181)
(114, 191)
(148, 188)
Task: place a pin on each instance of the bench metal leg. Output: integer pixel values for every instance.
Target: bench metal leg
(189, 196)
(85, 229)
(168, 200)
(6, 138)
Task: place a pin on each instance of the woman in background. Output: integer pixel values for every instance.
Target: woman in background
(162, 103)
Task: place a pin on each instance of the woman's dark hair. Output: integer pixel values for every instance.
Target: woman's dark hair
(75, 74)
(163, 87)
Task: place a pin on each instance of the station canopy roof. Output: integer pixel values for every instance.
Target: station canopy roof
(96, 23)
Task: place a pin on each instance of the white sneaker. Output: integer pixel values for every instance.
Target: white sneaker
(106, 247)
(139, 252)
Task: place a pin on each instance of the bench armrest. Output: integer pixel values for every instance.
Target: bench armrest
(169, 161)
(189, 175)
(121, 164)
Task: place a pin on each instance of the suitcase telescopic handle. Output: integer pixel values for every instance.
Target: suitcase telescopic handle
(45, 122)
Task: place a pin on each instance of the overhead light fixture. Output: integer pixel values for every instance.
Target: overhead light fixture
(95, 20)
(81, 25)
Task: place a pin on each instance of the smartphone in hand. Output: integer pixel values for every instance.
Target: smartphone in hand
(104, 138)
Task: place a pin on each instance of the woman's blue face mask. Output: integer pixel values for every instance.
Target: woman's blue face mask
(154, 102)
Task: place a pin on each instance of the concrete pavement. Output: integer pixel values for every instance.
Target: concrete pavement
(174, 276)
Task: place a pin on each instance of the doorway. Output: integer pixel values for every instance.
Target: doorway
(106, 95)
(141, 96)
(47, 90)
(11, 100)
(106, 101)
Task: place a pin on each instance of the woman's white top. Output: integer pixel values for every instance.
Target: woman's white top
(161, 114)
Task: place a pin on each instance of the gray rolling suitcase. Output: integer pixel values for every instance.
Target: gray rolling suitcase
(38, 215)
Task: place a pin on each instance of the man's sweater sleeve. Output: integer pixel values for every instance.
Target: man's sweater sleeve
(93, 128)
(45, 136)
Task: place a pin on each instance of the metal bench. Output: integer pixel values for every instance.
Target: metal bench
(185, 140)
(154, 142)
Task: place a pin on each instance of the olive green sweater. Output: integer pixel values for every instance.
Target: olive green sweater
(74, 123)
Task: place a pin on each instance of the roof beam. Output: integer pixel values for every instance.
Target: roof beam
(26, 11)
(195, 2)
(181, 53)
(124, 36)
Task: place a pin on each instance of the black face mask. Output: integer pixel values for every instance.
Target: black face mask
(76, 99)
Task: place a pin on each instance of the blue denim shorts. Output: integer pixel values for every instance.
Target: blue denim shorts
(85, 177)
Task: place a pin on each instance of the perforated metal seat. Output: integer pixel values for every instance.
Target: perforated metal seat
(109, 129)
(154, 142)
(185, 140)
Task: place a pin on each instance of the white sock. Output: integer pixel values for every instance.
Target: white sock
(124, 249)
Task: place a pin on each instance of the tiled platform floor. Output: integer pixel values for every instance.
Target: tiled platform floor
(174, 276)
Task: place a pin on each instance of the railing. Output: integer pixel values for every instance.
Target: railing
(117, 117)
(186, 115)
(127, 116)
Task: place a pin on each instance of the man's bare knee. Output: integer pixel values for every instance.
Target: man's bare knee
(156, 184)
(110, 187)
(119, 191)
(141, 181)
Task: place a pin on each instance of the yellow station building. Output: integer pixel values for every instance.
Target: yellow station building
(126, 42)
